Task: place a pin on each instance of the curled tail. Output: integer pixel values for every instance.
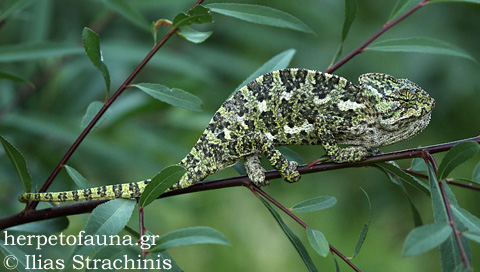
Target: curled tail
(126, 190)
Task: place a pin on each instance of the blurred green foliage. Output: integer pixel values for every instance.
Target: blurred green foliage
(142, 135)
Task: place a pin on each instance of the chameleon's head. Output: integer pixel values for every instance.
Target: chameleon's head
(401, 105)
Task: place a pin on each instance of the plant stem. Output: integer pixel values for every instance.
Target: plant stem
(384, 28)
(100, 113)
(429, 158)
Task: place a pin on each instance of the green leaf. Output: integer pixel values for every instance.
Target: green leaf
(420, 45)
(14, 77)
(165, 255)
(174, 96)
(37, 50)
(297, 243)
(91, 112)
(106, 219)
(18, 161)
(425, 238)
(318, 242)
(418, 165)
(278, 62)
(240, 168)
(404, 176)
(349, 14)
(160, 183)
(476, 174)
(53, 225)
(315, 204)
(193, 35)
(128, 11)
(450, 255)
(363, 233)
(456, 156)
(91, 44)
(79, 180)
(290, 155)
(197, 15)
(400, 6)
(14, 256)
(260, 15)
(465, 1)
(474, 236)
(189, 236)
(469, 220)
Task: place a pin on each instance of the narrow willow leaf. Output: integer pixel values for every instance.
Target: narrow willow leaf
(190, 236)
(474, 236)
(91, 112)
(53, 225)
(197, 15)
(91, 44)
(37, 50)
(464, 1)
(297, 243)
(160, 183)
(318, 241)
(400, 6)
(450, 255)
(476, 174)
(278, 62)
(14, 77)
(290, 155)
(456, 156)
(79, 180)
(128, 11)
(363, 233)
(19, 163)
(260, 15)
(420, 45)
(469, 220)
(106, 219)
(349, 14)
(418, 165)
(425, 238)
(404, 176)
(175, 97)
(315, 204)
(15, 258)
(193, 35)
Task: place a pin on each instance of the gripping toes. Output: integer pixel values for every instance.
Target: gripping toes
(350, 154)
(290, 174)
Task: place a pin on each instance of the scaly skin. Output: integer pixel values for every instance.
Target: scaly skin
(291, 107)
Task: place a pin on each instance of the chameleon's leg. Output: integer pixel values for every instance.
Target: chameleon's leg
(257, 143)
(336, 153)
(255, 171)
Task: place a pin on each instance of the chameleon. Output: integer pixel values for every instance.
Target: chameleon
(290, 107)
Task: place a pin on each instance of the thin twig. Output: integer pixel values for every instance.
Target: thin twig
(100, 113)
(429, 159)
(384, 28)
(85, 207)
(256, 190)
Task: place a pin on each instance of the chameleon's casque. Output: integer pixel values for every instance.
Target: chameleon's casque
(291, 107)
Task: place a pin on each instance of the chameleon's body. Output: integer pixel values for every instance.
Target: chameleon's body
(291, 107)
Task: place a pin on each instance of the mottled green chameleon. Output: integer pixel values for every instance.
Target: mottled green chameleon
(291, 107)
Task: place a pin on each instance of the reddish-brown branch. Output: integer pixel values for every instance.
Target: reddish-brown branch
(385, 27)
(429, 159)
(256, 190)
(100, 113)
(84, 207)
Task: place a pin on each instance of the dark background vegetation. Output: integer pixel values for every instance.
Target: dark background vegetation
(142, 135)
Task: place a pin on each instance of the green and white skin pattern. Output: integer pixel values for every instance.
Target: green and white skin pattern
(291, 107)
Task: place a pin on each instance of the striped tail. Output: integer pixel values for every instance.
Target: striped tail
(126, 190)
